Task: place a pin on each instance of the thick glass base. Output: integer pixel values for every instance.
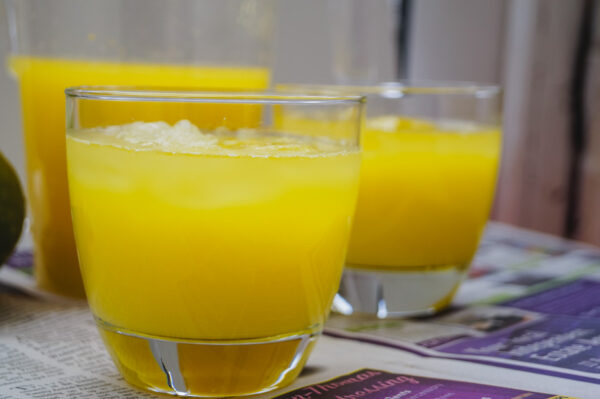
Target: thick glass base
(194, 368)
(399, 292)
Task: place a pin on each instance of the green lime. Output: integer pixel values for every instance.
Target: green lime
(12, 209)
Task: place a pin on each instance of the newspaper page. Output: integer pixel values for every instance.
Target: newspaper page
(378, 384)
(531, 303)
(50, 350)
(54, 351)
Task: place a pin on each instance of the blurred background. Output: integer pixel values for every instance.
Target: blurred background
(545, 53)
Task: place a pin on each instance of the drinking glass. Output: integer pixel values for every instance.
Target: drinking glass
(428, 175)
(211, 234)
(209, 44)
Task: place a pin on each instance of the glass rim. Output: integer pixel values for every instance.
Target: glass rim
(223, 96)
(402, 87)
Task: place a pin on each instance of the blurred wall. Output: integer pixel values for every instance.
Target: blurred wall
(317, 40)
(302, 46)
(457, 40)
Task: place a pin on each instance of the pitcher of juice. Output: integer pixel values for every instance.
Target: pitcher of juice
(204, 44)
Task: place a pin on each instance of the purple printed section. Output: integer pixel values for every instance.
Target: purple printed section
(579, 298)
(531, 368)
(377, 384)
(560, 341)
(22, 260)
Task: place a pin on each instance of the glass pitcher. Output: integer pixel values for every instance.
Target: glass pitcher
(203, 44)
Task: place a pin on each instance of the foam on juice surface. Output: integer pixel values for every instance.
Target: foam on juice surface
(186, 138)
(396, 125)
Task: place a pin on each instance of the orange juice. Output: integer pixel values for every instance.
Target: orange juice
(42, 82)
(234, 240)
(425, 193)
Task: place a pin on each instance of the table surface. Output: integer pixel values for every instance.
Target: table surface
(515, 272)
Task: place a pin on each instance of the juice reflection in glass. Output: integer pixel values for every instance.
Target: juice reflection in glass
(210, 253)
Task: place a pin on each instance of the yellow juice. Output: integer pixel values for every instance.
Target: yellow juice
(425, 193)
(42, 82)
(227, 238)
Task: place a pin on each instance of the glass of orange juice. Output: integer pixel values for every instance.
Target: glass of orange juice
(431, 153)
(211, 239)
(208, 44)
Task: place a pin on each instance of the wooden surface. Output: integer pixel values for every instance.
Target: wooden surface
(589, 206)
(540, 48)
(547, 183)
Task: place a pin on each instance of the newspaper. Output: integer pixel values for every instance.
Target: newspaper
(531, 303)
(50, 348)
(379, 384)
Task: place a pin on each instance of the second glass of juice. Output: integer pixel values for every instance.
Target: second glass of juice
(206, 44)
(427, 182)
(430, 158)
(211, 237)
